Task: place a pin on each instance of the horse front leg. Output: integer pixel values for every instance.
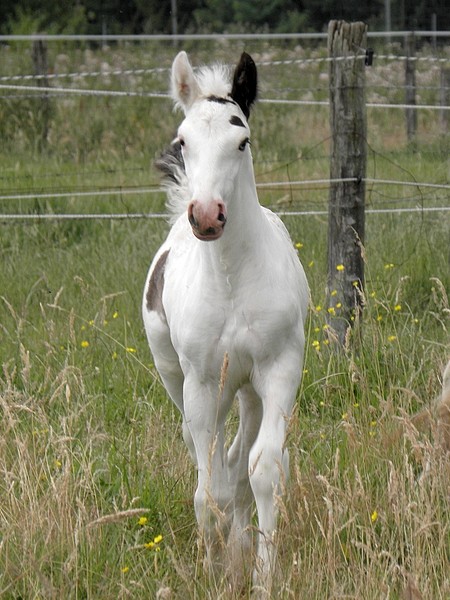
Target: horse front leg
(269, 461)
(240, 541)
(205, 418)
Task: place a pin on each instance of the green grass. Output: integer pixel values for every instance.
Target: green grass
(87, 435)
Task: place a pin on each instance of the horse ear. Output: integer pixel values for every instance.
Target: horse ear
(245, 83)
(185, 89)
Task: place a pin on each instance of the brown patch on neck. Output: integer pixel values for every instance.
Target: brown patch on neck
(156, 286)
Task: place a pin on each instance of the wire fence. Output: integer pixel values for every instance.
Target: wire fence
(287, 185)
(161, 95)
(269, 63)
(17, 86)
(272, 185)
(211, 36)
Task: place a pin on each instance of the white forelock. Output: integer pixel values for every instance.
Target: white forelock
(214, 80)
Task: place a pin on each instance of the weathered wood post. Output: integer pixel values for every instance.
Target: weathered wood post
(346, 46)
(40, 65)
(410, 88)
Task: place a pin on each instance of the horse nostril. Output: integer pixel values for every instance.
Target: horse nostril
(222, 216)
(192, 220)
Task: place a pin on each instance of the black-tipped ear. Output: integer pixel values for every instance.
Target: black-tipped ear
(245, 83)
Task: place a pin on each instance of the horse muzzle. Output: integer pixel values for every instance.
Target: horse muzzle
(207, 219)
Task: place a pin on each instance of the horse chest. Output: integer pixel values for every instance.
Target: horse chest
(245, 325)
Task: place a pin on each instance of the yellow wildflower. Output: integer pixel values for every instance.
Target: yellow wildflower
(397, 307)
(142, 521)
(85, 344)
(374, 516)
(153, 544)
(340, 267)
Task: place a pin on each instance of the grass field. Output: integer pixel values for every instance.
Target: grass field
(96, 487)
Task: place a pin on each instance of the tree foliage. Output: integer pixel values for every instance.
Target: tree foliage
(154, 16)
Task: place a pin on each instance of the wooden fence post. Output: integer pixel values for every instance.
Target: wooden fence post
(40, 64)
(346, 46)
(410, 88)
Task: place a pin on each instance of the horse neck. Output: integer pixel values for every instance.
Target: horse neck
(246, 226)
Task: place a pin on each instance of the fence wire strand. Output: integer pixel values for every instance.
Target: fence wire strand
(165, 216)
(161, 95)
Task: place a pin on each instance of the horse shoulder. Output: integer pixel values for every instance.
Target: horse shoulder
(290, 268)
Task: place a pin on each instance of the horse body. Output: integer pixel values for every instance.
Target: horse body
(226, 296)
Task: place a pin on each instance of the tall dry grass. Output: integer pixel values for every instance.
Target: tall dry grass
(86, 495)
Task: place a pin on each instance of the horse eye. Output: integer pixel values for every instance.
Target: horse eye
(182, 142)
(243, 144)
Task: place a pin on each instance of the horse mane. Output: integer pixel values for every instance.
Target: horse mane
(174, 180)
(213, 80)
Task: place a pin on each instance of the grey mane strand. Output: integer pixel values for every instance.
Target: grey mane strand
(171, 166)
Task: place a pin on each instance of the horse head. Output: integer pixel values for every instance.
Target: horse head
(214, 137)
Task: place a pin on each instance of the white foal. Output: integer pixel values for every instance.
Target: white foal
(226, 285)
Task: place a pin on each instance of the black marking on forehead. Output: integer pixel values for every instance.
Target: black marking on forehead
(235, 120)
(220, 100)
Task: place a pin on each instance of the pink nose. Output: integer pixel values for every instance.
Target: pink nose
(207, 219)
